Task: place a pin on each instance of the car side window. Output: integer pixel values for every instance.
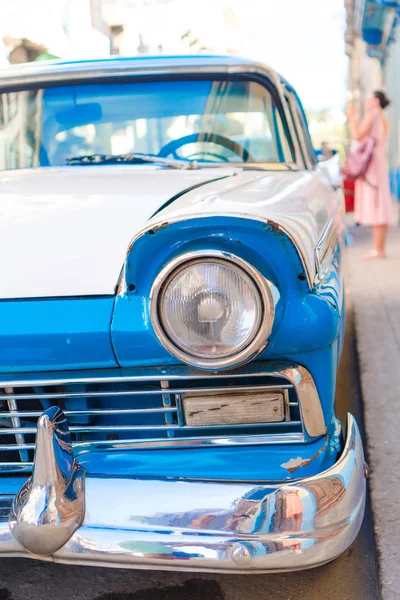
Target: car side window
(18, 125)
(293, 115)
(305, 134)
(284, 151)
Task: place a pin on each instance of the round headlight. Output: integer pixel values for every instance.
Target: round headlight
(211, 311)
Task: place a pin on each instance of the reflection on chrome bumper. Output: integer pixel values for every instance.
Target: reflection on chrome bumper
(198, 526)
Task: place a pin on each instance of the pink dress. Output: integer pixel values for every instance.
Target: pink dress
(373, 201)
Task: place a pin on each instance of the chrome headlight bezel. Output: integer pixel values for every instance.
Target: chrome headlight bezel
(257, 343)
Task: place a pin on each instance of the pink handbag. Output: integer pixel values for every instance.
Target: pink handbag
(358, 160)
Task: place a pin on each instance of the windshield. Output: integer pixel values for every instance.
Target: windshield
(214, 121)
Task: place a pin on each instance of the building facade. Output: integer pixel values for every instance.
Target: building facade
(373, 48)
(97, 28)
(64, 28)
(171, 26)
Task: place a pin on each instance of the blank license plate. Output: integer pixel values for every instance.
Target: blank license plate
(231, 409)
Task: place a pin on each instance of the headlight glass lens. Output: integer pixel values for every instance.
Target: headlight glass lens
(210, 308)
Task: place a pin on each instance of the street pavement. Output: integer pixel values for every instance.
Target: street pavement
(375, 290)
(350, 577)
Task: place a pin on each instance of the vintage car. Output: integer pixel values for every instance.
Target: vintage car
(172, 318)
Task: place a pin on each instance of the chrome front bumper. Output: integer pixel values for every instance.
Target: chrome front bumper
(63, 517)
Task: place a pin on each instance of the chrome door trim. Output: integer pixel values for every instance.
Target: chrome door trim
(294, 111)
(327, 245)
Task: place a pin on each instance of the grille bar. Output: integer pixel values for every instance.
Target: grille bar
(142, 408)
(193, 442)
(92, 411)
(13, 447)
(99, 429)
(145, 374)
(59, 396)
(166, 400)
(16, 467)
(13, 408)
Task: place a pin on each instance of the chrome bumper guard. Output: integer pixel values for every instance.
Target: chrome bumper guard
(62, 516)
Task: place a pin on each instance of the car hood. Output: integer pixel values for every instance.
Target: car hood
(65, 231)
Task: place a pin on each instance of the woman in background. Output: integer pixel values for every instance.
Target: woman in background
(373, 202)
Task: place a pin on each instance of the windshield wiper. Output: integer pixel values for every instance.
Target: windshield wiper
(136, 158)
(251, 166)
(132, 159)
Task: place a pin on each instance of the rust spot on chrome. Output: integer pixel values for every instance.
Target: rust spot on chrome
(273, 228)
(156, 228)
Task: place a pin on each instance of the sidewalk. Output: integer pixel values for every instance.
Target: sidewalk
(375, 294)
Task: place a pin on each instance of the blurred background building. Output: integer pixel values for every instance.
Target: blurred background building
(310, 41)
(171, 26)
(373, 48)
(46, 28)
(97, 28)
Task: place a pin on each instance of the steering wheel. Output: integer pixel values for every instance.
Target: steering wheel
(210, 138)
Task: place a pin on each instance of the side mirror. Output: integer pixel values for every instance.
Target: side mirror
(331, 168)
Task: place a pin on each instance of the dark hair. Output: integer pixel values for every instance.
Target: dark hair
(383, 99)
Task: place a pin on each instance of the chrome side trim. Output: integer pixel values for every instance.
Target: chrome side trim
(213, 526)
(326, 245)
(257, 343)
(50, 506)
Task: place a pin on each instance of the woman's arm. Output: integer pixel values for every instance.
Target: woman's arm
(360, 129)
(386, 125)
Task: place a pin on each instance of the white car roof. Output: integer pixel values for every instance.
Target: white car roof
(61, 70)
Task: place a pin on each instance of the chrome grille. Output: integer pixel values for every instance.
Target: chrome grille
(137, 409)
